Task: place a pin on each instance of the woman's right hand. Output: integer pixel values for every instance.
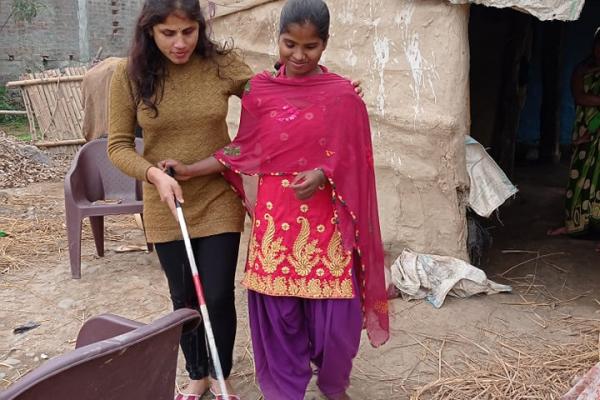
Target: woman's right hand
(182, 171)
(168, 188)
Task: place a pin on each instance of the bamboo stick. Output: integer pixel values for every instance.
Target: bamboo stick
(66, 100)
(75, 89)
(13, 112)
(75, 108)
(43, 81)
(40, 108)
(55, 112)
(67, 142)
(61, 116)
(30, 114)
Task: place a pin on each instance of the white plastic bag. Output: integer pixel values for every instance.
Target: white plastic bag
(490, 187)
(431, 277)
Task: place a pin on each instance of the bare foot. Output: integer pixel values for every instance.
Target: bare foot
(598, 248)
(557, 231)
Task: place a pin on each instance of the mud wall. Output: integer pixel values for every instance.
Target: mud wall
(413, 59)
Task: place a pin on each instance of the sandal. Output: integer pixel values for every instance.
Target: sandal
(222, 397)
(183, 396)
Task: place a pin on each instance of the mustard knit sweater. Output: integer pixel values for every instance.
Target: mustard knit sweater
(190, 126)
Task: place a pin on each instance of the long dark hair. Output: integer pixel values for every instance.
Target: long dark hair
(306, 11)
(147, 66)
(301, 12)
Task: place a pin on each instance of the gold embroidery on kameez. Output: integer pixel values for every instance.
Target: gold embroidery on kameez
(313, 288)
(279, 286)
(270, 251)
(305, 254)
(337, 259)
(252, 248)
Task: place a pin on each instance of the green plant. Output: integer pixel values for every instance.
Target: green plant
(15, 125)
(6, 103)
(17, 129)
(23, 10)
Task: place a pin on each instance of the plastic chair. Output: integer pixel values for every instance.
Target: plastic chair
(114, 359)
(94, 187)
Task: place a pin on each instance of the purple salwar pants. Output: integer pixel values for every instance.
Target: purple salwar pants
(288, 333)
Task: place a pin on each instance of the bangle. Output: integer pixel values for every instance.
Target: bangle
(322, 172)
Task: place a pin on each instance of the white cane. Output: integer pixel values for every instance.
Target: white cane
(212, 346)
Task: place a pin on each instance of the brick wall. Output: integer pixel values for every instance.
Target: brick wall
(59, 36)
(110, 25)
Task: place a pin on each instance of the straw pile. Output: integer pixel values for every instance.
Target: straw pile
(22, 164)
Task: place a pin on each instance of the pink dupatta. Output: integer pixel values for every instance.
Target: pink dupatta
(290, 125)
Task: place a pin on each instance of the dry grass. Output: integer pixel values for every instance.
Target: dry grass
(521, 367)
(36, 230)
(526, 366)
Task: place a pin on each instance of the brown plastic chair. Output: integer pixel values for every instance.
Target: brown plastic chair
(94, 187)
(115, 359)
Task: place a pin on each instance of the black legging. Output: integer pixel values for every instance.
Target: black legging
(216, 257)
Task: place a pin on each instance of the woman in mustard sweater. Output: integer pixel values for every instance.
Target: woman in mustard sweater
(176, 84)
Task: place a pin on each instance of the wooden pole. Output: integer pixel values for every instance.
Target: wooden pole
(39, 81)
(69, 142)
(12, 112)
(30, 114)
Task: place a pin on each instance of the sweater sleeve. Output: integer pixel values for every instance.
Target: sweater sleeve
(121, 131)
(238, 74)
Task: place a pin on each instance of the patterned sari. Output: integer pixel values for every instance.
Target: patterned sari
(583, 190)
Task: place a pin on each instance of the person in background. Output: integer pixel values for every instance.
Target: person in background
(582, 206)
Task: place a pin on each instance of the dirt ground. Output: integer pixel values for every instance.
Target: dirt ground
(551, 293)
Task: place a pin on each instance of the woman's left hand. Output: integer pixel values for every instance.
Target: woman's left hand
(358, 88)
(182, 171)
(307, 182)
